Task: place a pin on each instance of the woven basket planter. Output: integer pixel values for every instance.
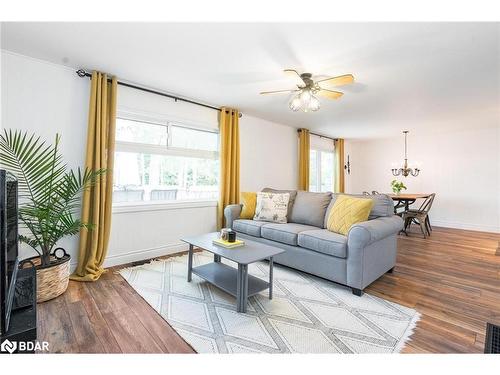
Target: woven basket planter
(51, 280)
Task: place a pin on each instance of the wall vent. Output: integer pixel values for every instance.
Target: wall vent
(492, 345)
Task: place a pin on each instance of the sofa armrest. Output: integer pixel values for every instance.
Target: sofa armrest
(363, 234)
(371, 250)
(231, 213)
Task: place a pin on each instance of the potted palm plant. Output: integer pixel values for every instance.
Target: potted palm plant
(49, 199)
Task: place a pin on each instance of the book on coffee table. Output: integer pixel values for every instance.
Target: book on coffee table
(227, 244)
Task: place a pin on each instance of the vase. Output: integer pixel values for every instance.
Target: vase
(52, 279)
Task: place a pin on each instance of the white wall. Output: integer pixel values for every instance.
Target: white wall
(461, 167)
(46, 98)
(268, 155)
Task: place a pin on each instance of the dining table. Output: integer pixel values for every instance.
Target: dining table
(405, 199)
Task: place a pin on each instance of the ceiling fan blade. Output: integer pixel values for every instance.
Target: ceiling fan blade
(338, 81)
(277, 92)
(292, 73)
(330, 94)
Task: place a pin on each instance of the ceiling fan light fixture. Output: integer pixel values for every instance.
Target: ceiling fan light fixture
(314, 104)
(305, 101)
(306, 89)
(295, 103)
(305, 97)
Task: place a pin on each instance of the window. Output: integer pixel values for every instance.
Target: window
(320, 170)
(157, 162)
(140, 132)
(193, 139)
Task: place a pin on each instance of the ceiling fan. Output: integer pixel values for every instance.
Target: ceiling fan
(307, 88)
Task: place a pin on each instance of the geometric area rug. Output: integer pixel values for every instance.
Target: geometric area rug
(306, 315)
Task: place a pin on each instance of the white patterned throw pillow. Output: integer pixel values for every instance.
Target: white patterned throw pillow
(272, 207)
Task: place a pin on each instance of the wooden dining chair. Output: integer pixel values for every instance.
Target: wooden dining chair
(420, 216)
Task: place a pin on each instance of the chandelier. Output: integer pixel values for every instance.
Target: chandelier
(405, 171)
(305, 101)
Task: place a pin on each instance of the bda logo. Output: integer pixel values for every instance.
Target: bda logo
(8, 346)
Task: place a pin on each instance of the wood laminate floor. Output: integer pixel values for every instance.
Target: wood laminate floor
(451, 278)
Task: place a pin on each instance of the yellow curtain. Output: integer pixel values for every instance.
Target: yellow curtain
(303, 159)
(339, 184)
(96, 206)
(229, 161)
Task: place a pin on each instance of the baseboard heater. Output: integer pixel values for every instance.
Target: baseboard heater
(492, 344)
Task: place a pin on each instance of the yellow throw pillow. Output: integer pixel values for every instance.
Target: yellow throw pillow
(249, 201)
(346, 212)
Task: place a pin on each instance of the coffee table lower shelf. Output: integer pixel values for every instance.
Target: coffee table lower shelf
(225, 277)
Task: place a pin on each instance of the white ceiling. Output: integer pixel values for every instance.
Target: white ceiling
(416, 76)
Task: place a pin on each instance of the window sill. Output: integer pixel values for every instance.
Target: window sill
(119, 208)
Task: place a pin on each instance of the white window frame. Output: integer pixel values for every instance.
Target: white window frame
(145, 148)
(317, 183)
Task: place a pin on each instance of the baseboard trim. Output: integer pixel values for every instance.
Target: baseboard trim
(466, 226)
(142, 254)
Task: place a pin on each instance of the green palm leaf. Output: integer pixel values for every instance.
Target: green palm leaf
(50, 195)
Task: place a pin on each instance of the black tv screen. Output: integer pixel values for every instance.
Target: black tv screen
(8, 244)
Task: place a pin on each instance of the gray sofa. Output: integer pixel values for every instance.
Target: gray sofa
(356, 260)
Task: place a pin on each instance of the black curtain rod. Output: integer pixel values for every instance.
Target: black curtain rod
(319, 135)
(83, 73)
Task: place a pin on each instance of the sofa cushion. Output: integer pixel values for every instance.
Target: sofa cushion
(324, 241)
(383, 205)
(310, 208)
(250, 227)
(348, 211)
(285, 233)
(249, 201)
(291, 201)
(272, 207)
